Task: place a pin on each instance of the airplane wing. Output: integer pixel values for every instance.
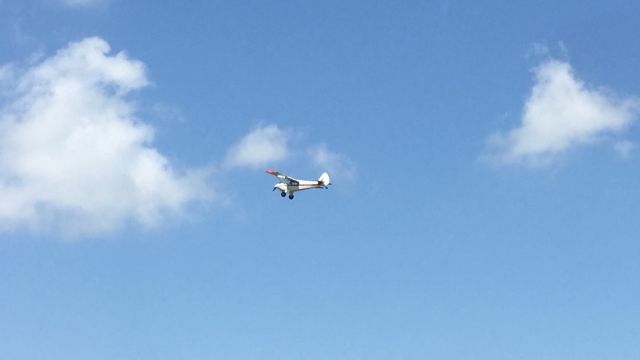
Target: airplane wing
(284, 178)
(274, 172)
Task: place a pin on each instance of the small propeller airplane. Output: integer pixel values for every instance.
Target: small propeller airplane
(289, 185)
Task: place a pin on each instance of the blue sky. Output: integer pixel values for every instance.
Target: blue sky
(484, 159)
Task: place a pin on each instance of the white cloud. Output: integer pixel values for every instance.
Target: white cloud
(268, 146)
(73, 155)
(562, 112)
(7, 76)
(337, 165)
(624, 148)
(263, 146)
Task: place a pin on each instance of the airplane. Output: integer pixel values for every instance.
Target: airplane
(289, 185)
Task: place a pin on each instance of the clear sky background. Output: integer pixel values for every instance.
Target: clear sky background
(483, 154)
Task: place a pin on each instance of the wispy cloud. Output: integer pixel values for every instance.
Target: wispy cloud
(562, 112)
(624, 148)
(270, 145)
(73, 155)
(7, 74)
(81, 3)
(338, 165)
(263, 146)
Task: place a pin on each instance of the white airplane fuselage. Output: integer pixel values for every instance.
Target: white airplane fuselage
(288, 185)
(302, 185)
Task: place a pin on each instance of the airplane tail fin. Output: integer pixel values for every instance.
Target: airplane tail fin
(324, 179)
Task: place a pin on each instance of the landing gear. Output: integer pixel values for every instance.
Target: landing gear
(283, 194)
(290, 196)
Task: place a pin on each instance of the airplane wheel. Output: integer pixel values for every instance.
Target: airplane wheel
(290, 196)
(283, 194)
